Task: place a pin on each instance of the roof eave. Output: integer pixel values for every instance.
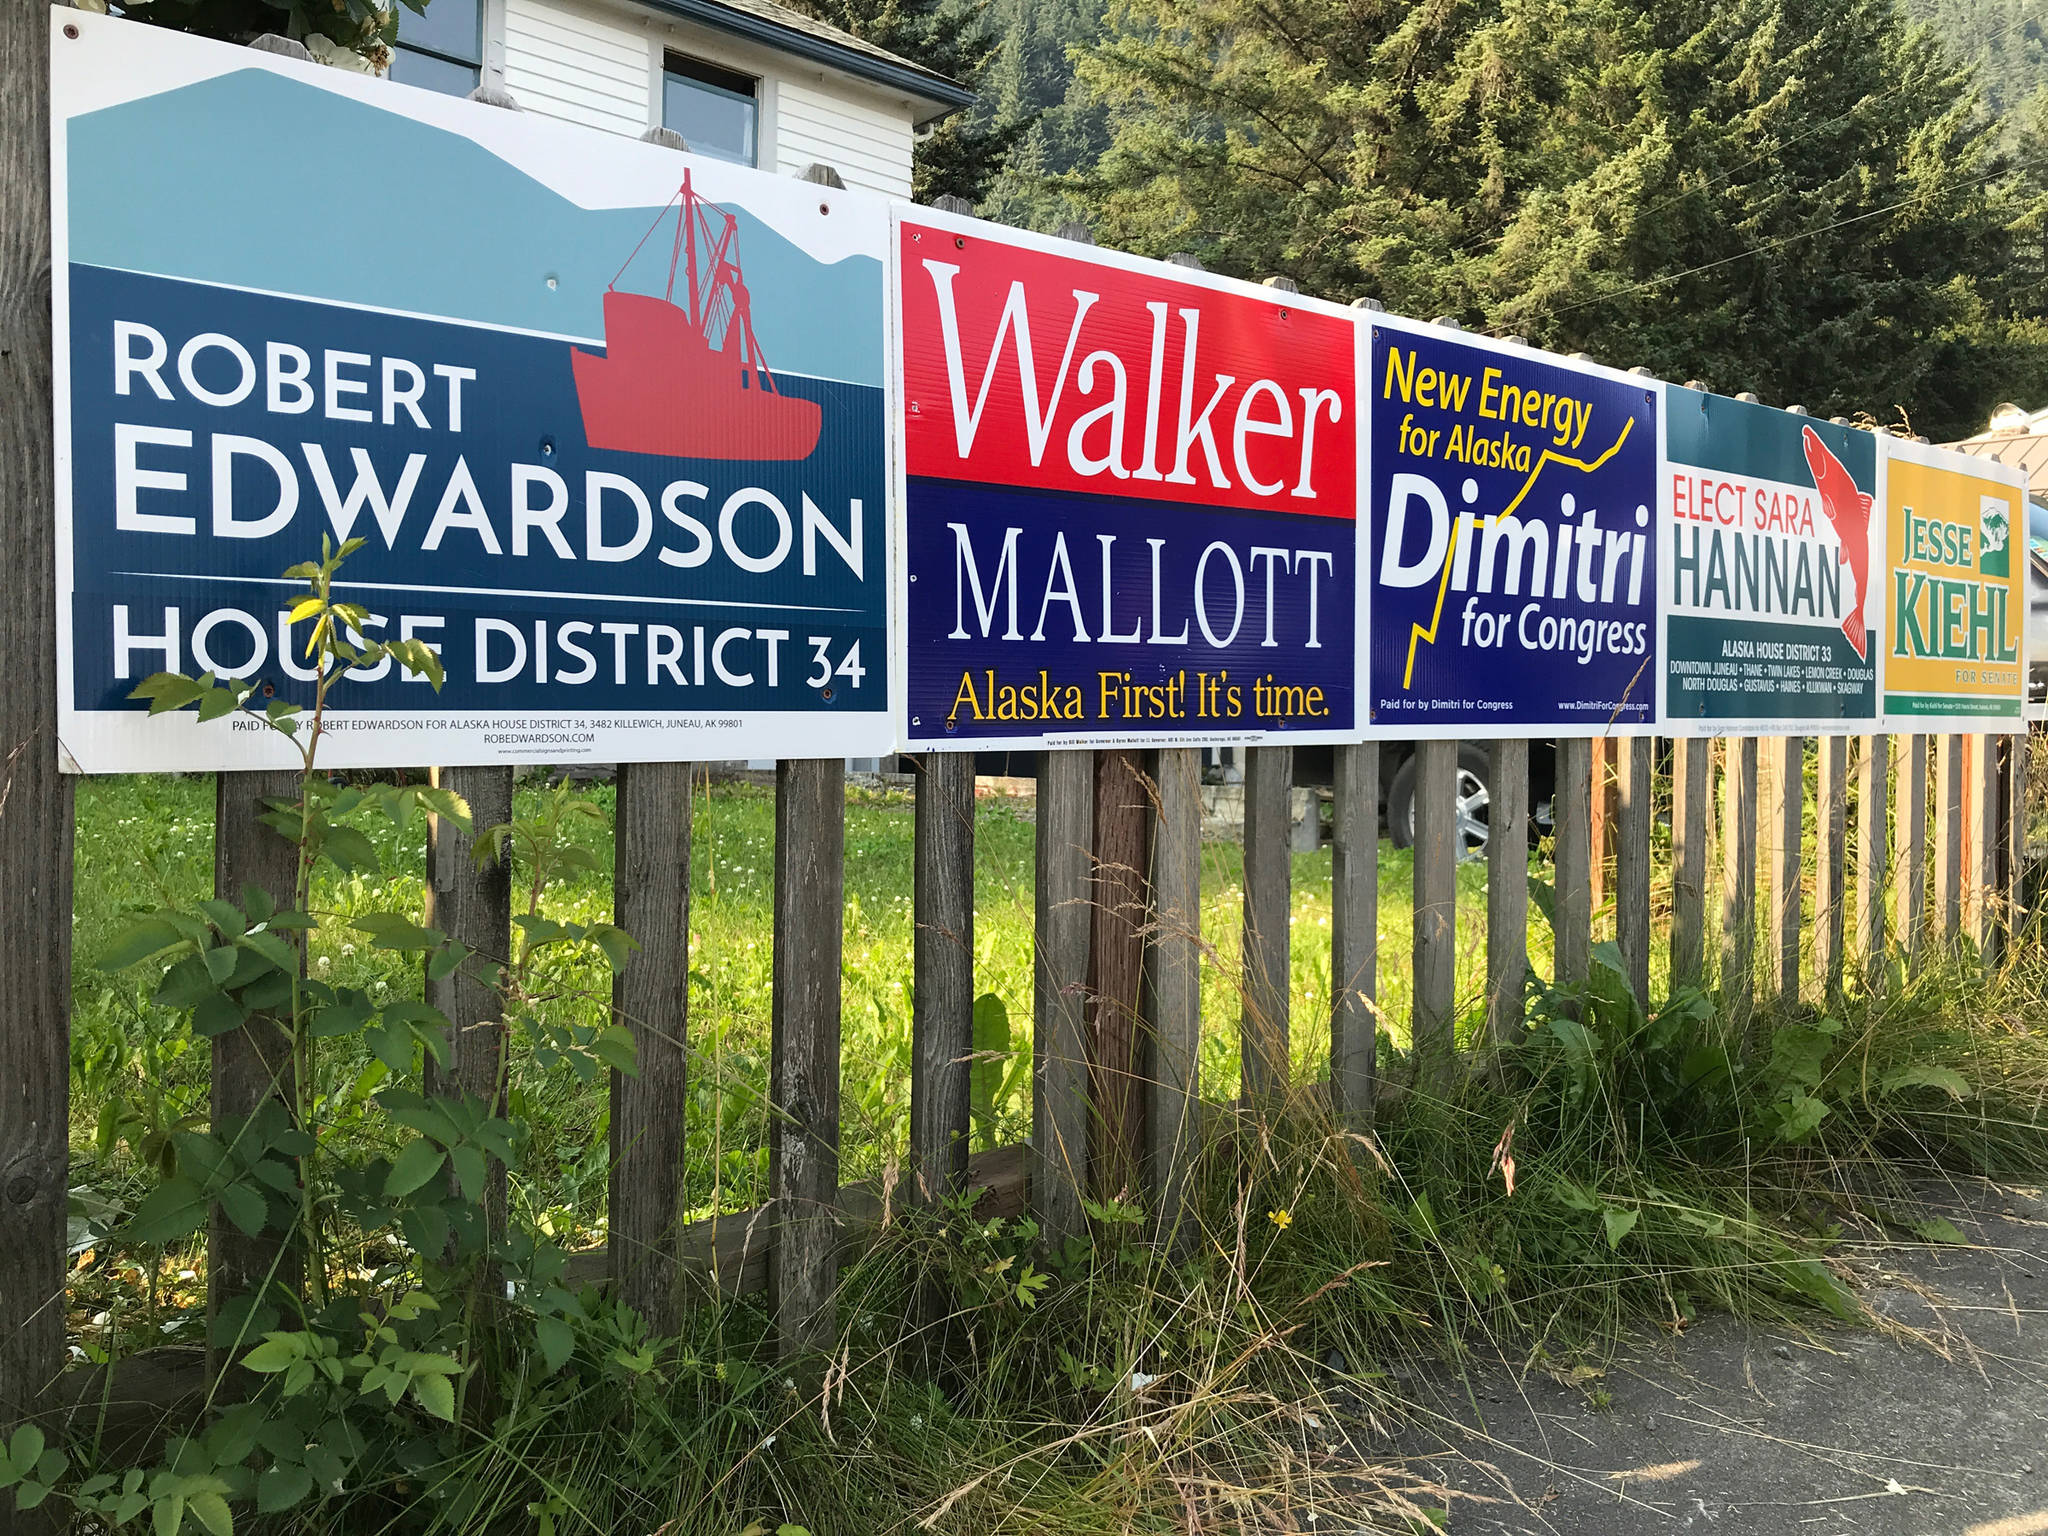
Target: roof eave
(943, 96)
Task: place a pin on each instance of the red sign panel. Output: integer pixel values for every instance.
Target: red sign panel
(1070, 373)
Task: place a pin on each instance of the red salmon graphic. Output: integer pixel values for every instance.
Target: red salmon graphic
(1849, 510)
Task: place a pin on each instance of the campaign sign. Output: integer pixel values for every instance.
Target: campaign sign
(1511, 545)
(1130, 498)
(608, 418)
(1957, 599)
(1773, 568)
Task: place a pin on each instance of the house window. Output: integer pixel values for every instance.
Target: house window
(442, 48)
(714, 109)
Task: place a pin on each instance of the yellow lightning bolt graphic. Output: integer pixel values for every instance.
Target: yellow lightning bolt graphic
(1417, 633)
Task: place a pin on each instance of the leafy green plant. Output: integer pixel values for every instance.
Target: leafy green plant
(383, 1308)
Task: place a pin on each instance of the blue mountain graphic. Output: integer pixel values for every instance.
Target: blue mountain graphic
(261, 181)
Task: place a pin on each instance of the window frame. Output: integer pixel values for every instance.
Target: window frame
(441, 55)
(720, 81)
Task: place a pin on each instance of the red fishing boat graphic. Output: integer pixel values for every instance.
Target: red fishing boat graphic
(683, 375)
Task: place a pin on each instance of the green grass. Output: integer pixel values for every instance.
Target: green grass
(142, 841)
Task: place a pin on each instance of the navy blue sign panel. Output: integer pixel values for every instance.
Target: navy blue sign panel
(1034, 622)
(550, 575)
(1511, 502)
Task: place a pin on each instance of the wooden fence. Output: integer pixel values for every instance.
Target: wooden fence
(1119, 968)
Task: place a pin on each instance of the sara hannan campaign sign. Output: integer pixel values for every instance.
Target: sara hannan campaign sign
(1511, 547)
(1773, 568)
(609, 419)
(1129, 506)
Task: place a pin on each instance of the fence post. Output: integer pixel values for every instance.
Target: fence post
(1948, 837)
(1600, 833)
(1691, 777)
(1831, 829)
(1873, 780)
(1573, 819)
(803, 1094)
(1909, 765)
(1173, 983)
(2018, 750)
(1268, 903)
(1738, 886)
(1783, 787)
(35, 832)
(473, 906)
(1123, 816)
(1632, 862)
(651, 998)
(1982, 793)
(252, 1063)
(1436, 897)
(942, 986)
(1507, 893)
(1059, 1058)
(1354, 933)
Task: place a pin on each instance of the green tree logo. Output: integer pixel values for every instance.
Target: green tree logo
(1994, 544)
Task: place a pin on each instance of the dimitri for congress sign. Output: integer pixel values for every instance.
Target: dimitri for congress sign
(1774, 572)
(1511, 540)
(1130, 504)
(610, 419)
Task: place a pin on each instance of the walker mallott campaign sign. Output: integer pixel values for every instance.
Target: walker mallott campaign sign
(610, 419)
(1774, 569)
(1511, 549)
(1129, 502)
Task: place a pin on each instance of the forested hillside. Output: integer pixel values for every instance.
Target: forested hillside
(1807, 198)
(2006, 41)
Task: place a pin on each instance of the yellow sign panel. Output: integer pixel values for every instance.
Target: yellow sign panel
(1956, 601)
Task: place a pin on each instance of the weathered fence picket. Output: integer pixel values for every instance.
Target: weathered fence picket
(1354, 934)
(1507, 892)
(942, 983)
(1948, 837)
(1692, 760)
(1268, 911)
(1909, 779)
(35, 831)
(1983, 795)
(470, 900)
(1437, 841)
(651, 999)
(1738, 885)
(1573, 885)
(1782, 792)
(1116, 967)
(1059, 1060)
(1173, 982)
(254, 1062)
(1831, 867)
(1872, 830)
(803, 1090)
(1633, 802)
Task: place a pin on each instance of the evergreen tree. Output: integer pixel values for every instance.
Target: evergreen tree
(965, 152)
(1800, 197)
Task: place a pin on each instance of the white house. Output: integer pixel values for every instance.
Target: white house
(749, 81)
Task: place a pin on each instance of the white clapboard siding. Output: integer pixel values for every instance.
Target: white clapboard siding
(866, 140)
(578, 64)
